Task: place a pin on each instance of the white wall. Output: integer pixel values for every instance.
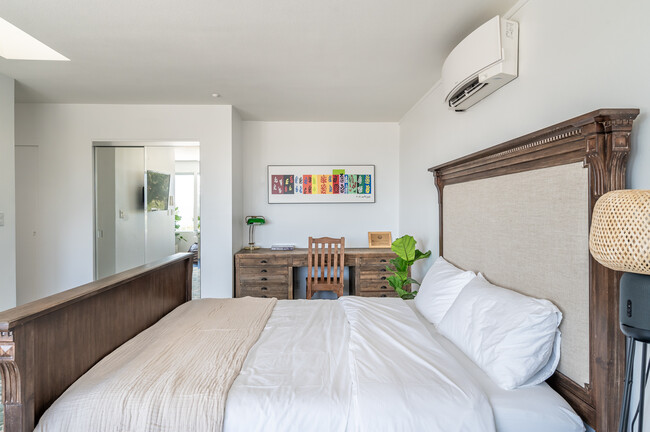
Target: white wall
(237, 182)
(27, 175)
(296, 143)
(64, 134)
(7, 195)
(574, 57)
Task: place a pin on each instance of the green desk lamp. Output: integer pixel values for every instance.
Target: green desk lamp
(251, 221)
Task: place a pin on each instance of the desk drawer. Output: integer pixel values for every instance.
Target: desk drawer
(260, 277)
(376, 260)
(264, 261)
(379, 273)
(378, 294)
(279, 291)
(264, 274)
(383, 286)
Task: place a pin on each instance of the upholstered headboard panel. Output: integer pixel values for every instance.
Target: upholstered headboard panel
(531, 236)
(520, 211)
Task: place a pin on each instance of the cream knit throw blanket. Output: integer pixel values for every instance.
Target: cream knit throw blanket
(174, 376)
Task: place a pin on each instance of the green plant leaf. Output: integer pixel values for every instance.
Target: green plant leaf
(412, 281)
(399, 264)
(401, 291)
(408, 295)
(402, 275)
(420, 255)
(404, 247)
(395, 282)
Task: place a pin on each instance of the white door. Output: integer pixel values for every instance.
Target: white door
(27, 234)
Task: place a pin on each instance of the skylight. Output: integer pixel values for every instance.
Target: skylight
(15, 44)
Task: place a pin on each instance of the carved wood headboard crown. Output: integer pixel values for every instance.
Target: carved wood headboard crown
(600, 140)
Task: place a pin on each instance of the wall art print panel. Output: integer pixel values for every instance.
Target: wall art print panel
(303, 184)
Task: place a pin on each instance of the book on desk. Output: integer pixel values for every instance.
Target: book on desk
(283, 247)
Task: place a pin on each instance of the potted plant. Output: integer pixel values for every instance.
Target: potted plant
(407, 254)
(177, 225)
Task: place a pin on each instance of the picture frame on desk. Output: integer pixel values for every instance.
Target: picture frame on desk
(380, 239)
(312, 184)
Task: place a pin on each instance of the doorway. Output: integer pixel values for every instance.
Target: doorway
(147, 205)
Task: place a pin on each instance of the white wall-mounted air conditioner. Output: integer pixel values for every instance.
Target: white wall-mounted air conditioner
(483, 62)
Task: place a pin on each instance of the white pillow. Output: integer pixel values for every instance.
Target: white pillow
(512, 337)
(439, 289)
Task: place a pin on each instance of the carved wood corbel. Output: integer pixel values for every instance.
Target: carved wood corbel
(608, 147)
(11, 385)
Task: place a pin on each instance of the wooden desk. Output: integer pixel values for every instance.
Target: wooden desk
(267, 273)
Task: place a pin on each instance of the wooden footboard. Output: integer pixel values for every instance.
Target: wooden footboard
(48, 344)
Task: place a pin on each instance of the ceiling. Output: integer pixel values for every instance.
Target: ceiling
(303, 60)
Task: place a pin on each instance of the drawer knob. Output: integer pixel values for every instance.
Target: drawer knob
(382, 270)
(264, 279)
(263, 261)
(263, 271)
(383, 295)
(383, 278)
(384, 287)
(264, 288)
(382, 260)
(265, 296)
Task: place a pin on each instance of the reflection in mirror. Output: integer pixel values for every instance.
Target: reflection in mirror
(146, 206)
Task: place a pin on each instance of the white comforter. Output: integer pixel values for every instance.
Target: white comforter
(356, 364)
(296, 377)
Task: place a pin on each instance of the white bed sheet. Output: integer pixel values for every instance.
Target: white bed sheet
(532, 409)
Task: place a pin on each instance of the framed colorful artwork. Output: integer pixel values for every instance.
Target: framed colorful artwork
(304, 184)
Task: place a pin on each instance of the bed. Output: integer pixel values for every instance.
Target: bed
(46, 346)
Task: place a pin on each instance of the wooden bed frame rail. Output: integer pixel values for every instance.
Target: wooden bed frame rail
(48, 344)
(601, 141)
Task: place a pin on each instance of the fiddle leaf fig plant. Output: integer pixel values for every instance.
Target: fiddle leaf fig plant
(177, 225)
(407, 254)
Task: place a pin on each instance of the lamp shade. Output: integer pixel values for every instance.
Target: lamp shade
(620, 231)
(255, 220)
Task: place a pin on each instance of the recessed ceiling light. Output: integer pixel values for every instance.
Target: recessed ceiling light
(15, 44)
(216, 95)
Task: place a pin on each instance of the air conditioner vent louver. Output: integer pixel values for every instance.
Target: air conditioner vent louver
(468, 91)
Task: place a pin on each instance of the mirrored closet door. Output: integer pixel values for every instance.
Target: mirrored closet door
(146, 206)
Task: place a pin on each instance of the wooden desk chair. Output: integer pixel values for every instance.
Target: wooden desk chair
(325, 268)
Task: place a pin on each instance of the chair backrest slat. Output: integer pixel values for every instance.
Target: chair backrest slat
(329, 262)
(336, 256)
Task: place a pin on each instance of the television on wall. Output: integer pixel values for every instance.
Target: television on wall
(157, 191)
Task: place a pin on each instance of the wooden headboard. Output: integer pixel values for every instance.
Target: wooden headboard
(512, 202)
(48, 344)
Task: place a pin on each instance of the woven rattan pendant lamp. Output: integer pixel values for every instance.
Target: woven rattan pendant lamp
(620, 240)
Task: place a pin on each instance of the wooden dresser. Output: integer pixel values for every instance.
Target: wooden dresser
(267, 273)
